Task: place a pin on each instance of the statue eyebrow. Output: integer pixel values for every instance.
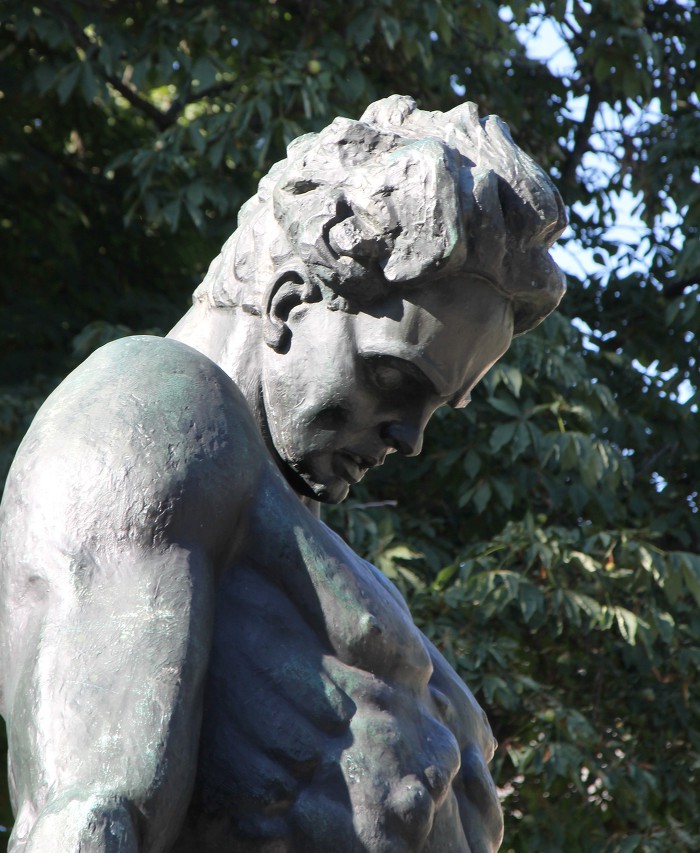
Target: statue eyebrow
(460, 400)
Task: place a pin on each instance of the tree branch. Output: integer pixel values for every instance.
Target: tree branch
(161, 120)
(676, 288)
(210, 91)
(581, 144)
(648, 464)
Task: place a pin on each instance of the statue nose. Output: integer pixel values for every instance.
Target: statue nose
(405, 437)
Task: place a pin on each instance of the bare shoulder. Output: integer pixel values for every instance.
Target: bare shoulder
(124, 498)
(147, 383)
(146, 438)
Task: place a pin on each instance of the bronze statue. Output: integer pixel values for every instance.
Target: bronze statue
(191, 660)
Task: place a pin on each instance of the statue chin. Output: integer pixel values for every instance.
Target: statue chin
(306, 487)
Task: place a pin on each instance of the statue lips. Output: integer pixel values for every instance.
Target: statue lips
(352, 467)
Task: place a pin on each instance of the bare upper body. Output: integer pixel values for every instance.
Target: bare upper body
(165, 574)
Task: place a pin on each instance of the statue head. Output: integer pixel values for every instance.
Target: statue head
(416, 241)
(399, 200)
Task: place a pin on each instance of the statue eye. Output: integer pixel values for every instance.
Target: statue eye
(388, 378)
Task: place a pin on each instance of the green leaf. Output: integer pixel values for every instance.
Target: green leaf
(445, 575)
(194, 212)
(88, 83)
(521, 440)
(194, 132)
(690, 566)
(69, 80)
(507, 407)
(472, 464)
(493, 686)
(585, 603)
(106, 57)
(391, 30)
(585, 561)
(501, 435)
(627, 623)
(352, 83)
(481, 496)
(512, 378)
(45, 76)
(505, 491)
(570, 451)
(171, 213)
(361, 30)
(629, 845)
(444, 24)
(601, 70)
(215, 152)
(531, 601)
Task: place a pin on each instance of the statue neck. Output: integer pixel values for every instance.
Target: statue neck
(231, 338)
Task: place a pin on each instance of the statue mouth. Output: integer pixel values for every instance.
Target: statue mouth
(352, 467)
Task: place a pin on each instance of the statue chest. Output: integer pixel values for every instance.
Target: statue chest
(319, 729)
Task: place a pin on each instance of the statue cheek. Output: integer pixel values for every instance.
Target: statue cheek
(331, 418)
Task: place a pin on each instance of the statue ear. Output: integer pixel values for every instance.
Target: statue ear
(287, 290)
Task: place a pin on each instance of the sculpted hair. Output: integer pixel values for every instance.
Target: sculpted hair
(399, 199)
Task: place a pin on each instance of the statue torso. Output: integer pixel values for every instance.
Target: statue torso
(321, 729)
(328, 721)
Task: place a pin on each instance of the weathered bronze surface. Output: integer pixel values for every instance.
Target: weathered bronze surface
(191, 660)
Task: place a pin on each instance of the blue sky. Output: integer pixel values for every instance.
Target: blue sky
(543, 41)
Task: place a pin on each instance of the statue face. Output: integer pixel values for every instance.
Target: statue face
(352, 388)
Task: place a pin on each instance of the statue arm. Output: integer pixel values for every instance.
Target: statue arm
(123, 502)
(112, 702)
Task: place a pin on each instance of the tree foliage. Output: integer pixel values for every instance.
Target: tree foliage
(548, 539)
